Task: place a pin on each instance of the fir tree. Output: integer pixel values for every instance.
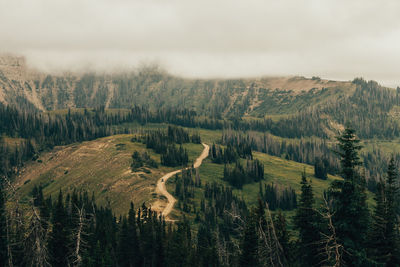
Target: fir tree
(133, 241)
(255, 223)
(306, 221)
(384, 237)
(351, 212)
(3, 227)
(59, 235)
(391, 216)
(124, 250)
(282, 234)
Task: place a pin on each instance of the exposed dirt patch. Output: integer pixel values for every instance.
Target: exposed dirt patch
(298, 84)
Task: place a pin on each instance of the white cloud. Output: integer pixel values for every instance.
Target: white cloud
(209, 38)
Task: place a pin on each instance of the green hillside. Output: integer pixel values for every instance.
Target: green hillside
(101, 167)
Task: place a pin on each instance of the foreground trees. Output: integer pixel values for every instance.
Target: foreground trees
(73, 231)
(346, 234)
(3, 227)
(307, 221)
(351, 217)
(384, 246)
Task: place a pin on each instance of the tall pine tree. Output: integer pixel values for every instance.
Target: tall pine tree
(384, 236)
(306, 221)
(59, 235)
(133, 241)
(3, 227)
(351, 217)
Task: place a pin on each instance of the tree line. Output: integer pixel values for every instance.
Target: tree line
(72, 230)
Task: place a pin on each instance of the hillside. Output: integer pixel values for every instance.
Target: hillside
(285, 106)
(278, 171)
(22, 86)
(101, 167)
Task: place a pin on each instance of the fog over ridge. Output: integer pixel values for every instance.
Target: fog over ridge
(241, 38)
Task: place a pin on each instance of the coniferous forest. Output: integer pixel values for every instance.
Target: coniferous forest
(199, 133)
(240, 207)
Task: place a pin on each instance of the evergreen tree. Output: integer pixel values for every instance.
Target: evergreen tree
(249, 245)
(392, 229)
(3, 227)
(282, 234)
(59, 235)
(206, 250)
(351, 217)
(124, 250)
(320, 168)
(384, 236)
(133, 241)
(306, 221)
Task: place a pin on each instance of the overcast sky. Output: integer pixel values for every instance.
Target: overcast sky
(209, 38)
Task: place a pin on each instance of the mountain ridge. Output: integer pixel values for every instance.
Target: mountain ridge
(44, 91)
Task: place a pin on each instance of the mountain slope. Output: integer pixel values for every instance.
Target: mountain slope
(101, 167)
(22, 86)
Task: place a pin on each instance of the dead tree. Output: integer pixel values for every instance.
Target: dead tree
(270, 250)
(78, 236)
(14, 220)
(333, 250)
(36, 241)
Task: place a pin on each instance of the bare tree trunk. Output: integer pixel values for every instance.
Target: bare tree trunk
(332, 248)
(36, 242)
(9, 253)
(270, 249)
(79, 232)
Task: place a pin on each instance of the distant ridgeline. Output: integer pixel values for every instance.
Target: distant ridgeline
(370, 108)
(291, 107)
(291, 117)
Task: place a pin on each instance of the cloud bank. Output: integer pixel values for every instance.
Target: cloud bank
(209, 38)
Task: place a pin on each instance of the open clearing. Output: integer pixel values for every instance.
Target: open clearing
(101, 167)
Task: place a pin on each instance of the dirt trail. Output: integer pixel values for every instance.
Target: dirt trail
(161, 188)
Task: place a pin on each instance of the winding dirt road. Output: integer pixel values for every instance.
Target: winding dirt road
(162, 190)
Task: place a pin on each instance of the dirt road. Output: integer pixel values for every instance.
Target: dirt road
(162, 190)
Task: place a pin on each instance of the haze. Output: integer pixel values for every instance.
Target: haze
(236, 38)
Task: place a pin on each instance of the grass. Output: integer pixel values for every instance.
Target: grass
(279, 171)
(276, 170)
(388, 146)
(101, 166)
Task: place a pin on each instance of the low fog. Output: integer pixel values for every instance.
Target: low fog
(219, 38)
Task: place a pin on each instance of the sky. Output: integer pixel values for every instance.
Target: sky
(208, 38)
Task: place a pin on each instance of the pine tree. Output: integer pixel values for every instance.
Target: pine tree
(123, 245)
(251, 242)
(3, 227)
(133, 241)
(351, 212)
(384, 238)
(306, 221)
(249, 245)
(282, 234)
(59, 235)
(392, 228)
